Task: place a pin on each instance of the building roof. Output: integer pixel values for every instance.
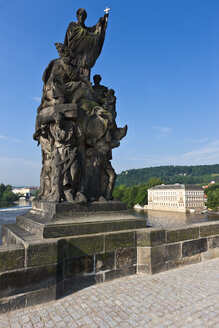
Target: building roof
(177, 186)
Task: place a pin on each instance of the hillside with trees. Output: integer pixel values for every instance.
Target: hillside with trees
(198, 174)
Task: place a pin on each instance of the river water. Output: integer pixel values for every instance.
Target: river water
(164, 219)
(159, 219)
(8, 215)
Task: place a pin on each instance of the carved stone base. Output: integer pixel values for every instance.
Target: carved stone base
(72, 209)
(54, 220)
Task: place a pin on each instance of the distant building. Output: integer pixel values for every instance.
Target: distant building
(177, 197)
(25, 191)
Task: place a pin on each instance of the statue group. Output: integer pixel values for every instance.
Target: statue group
(75, 123)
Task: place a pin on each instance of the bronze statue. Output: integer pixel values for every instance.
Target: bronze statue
(76, 124)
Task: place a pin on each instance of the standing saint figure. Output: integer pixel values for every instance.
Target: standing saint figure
(85, 42)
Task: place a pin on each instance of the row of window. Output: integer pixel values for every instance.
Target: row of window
(191, 193)
(166, 193)
(162, 193)
(173, 193)
(167, 204)
(195, 198)
(165, 198)
(189, 205)
(191, 199)
(194, 205)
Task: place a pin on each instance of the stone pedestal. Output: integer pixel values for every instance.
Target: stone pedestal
(56, 220)
(63, 247)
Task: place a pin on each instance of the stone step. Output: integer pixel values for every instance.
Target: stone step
(14, 234)
(65, 226)
(31, 223)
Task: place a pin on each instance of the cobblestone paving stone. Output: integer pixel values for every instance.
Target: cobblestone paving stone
(185, 297)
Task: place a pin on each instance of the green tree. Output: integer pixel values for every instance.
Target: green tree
(130, 195)
(136, 194)
(212, 193)
(118, 192)
(8, 187)
(9, 197)
(2, 189)
(142, 195)
(154, 182)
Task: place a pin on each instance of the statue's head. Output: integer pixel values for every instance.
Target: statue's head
(97, 78)
(81, 15)
(111, 92)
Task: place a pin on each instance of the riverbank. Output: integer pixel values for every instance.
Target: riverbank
(4, 204)
(213, 213)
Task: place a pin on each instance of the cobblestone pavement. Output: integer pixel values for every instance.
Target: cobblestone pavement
(184, 297)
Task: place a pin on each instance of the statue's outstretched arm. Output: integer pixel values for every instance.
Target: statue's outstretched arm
(102, 23)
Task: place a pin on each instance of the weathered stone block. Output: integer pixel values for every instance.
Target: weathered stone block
(40, 254)
(77, 283)
(160, 254)
(158, 267)
(126, 258)
(209, 229)
(86, 245)
(12, 303)
(144, 255)
(119, 240)
(213, 242)
(210, 254)
(144, 269)
(193, 247)
(41, 296)
(66, 207)
(11, 257)
(183, 261)
(150, 237)
(182, 234)
(111, 224)
(114, 274)
(25, 280)
(105, 261)
(80, 265)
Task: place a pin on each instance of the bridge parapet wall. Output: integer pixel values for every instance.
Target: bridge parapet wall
(43, 270)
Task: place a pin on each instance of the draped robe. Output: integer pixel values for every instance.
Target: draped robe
(85, 44)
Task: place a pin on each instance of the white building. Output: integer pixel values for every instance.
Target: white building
(25, 191)
(177, 197)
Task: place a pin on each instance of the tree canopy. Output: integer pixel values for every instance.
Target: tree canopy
(136, 194)
(7, 197)
(212, 193)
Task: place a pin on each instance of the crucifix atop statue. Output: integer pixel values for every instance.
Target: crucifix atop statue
(107, 10)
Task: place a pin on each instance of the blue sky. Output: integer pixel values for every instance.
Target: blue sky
(161, 57)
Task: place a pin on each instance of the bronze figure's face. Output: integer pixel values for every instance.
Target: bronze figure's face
(97, 79)
(81, 15)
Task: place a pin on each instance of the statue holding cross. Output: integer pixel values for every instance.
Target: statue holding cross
(75, 123)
